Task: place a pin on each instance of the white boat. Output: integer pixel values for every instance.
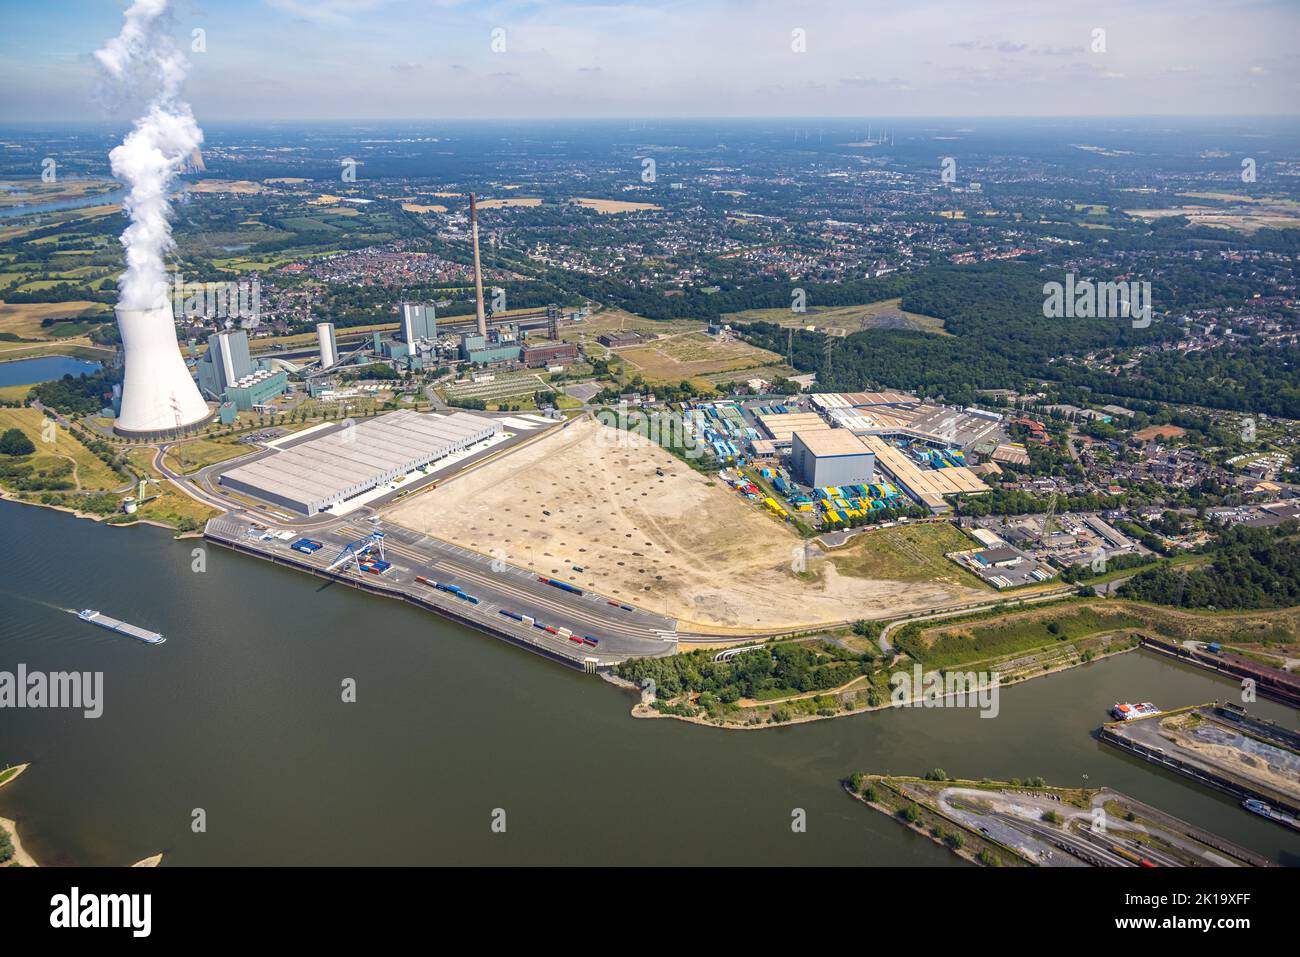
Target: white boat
(1129, 712)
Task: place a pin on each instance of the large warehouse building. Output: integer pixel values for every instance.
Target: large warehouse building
(348, 462)
(827, 458)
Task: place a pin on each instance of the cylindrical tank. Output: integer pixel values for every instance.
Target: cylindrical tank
(328, 347)
(158, 395)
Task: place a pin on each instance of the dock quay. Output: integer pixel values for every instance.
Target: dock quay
(1229, 731)
(1270, 682)
(506, 603)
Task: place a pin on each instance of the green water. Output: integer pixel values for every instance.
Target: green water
(240, 714)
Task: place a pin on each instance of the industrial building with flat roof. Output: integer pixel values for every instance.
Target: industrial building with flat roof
(926, 485)
(780, 426)
(320, 472)
(826, 458)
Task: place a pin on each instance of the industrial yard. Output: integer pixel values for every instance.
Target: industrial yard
(1007, 824)
(589, 505)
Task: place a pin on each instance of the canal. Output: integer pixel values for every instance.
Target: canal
(240, 714)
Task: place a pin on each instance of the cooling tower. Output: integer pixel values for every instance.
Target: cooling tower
(158, 396)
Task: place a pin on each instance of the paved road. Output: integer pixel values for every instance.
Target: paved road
(622, 631)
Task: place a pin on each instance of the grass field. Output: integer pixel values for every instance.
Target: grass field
(1010, 634)
(907, 553)
(613, 319)
(90, 474)
(978, 638)
(171, 507)
(14, 393)
(191, 456)
(886, 314)
(672, 358)
(78, 346)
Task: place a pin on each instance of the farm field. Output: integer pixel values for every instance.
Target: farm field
(613, 205)
(677, 543)
(23, 319)
(35, 192)
(241, 186)
(67, 217)
(505, 203)
(1241, 213)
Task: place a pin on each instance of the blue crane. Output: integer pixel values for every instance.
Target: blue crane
(355, 551)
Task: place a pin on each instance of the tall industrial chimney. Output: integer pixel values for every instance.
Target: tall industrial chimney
(158, 395)
(478, 269)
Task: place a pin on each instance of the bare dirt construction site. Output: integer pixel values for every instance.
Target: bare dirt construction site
(589, 497)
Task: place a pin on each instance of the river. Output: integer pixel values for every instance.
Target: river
(240, 714)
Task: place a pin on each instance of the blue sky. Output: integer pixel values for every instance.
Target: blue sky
(353, 59)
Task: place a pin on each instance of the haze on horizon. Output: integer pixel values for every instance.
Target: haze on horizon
(399, 59)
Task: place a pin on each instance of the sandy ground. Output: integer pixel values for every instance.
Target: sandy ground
(1235, 760)
(680, 544)
(20, 855)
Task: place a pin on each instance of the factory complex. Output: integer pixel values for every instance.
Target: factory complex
(322, 471)
(837, 457)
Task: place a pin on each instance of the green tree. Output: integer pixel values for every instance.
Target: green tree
(15, 442)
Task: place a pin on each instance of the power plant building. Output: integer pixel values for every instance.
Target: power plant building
(226, 361)
(488, 351)
(826, 458)
(418, 321)
(321, 472)
(257, 388)
(549, 353)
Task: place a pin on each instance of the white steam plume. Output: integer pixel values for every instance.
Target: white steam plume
(155, 149)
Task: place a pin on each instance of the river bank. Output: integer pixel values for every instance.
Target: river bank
(648, 711)
(243, 718)
(98, 519)
(20, 856)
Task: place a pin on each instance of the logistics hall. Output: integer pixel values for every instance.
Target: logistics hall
(319, 472)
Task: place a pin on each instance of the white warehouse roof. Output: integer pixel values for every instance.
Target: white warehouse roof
(346, 462)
